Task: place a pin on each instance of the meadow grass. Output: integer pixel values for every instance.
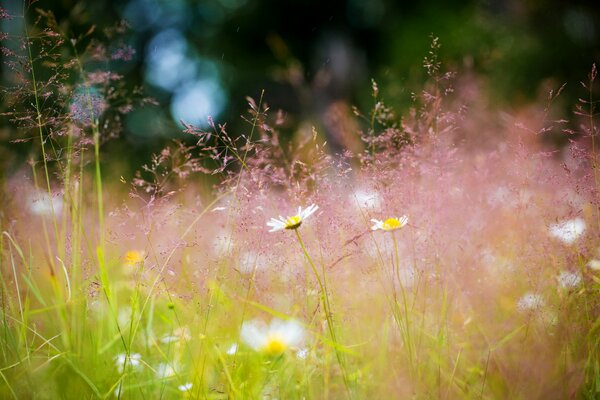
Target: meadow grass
(448, 259)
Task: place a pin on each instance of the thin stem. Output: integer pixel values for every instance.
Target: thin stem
(487, 363)
(311, 263)
(41, 134)
(409, 344)
(231, 220)
(98, 172)
(593, 134)
(326, 310)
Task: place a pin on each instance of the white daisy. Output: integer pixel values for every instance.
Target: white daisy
(272, 339)
(185, 387)
(569, 280)
(530, 302)
(121, 360)
(568, 231)
(292, 222)
(43, 204)
(390, 224)
(594, 264)
(124, 316)
(165, 370)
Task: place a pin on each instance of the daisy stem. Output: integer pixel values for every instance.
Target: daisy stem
(408, 343)
(324, 299)
(326, 310)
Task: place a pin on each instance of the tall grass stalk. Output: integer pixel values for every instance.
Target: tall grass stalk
(328, 313)
(231, 222)
(405, 326)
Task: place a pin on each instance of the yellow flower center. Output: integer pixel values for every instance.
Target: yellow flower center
(391, 223)
(132, 257)
(274, 346)
(293, 222)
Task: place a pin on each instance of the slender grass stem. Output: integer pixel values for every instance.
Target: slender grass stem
(40, 125)
(101, 248)
(409, 343)
(327, 310)
(231, 222)
(485, 373)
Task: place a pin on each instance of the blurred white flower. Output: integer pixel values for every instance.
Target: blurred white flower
(530, 302)
(42, 204)
(294, 221)
(568, 231)
(232, 349)
(390, 224)
(179, 334)
(124, 316)
(594, 264)
(185, 387)
(272, 339)
(366, 199)
(122, 360)
(164, 370)
(569, 280)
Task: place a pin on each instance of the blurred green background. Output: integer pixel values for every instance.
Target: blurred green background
(201, 58)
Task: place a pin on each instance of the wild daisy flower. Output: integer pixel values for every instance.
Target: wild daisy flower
(43, 204)
(124, 316)
(569, 280)
(132, 360)
(530, 302)
(594, 264)
(185, 387)
(164, 370)
(273, 339)
(390, 224)
(294, 221)
(568, 231)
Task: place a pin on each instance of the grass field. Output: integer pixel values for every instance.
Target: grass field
(456, 256)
